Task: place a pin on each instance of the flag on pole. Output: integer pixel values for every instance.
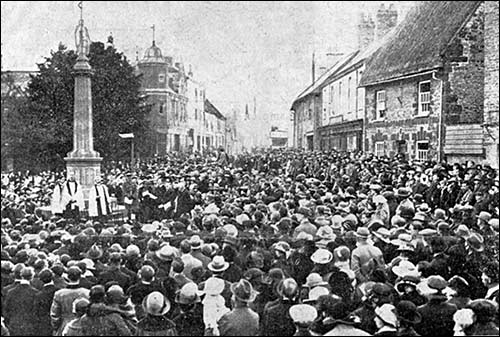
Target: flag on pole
(126, 135)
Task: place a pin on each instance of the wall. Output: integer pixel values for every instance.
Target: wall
(306, 111)
(402, 122)
(491, 85)
(346, 107)
(464, 66)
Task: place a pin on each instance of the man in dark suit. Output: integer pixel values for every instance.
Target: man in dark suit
(276, 320)
(113, 273)
(437, 314)
(43, 303)
(145, 286)
(18, 306)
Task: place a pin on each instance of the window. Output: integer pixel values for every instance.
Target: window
(381, 108)
(424, 98)
(379, 149)
(349, 94)
(162, 108)
(196, 94)
(161, 78)
(422, 150)
(195, 113)
(340, 97)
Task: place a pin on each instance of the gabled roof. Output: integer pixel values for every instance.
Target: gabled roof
(418, 42)
(211, 109)
(323, 78)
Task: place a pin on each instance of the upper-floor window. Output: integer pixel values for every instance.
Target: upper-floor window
(340, 97)
(424, 98)
(161, 78)
(162, 108)
(349, 80)
(196, 94)
(195, 113)
(381, 105)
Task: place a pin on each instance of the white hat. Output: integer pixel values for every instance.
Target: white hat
(316, 292)
(322, 256)
(387, 313)
(218, 264)
(303, 313)
(214, 286)
(405, 268)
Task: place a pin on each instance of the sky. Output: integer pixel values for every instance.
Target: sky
(238, 50)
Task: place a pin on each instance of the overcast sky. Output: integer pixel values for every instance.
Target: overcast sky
(237, 49)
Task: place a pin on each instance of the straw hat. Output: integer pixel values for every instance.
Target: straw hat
(156, 304)
(405, 268)
(218, 264)
(314, 280)
(188, 294)
(322, 256)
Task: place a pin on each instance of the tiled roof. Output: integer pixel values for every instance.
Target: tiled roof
(418, 42)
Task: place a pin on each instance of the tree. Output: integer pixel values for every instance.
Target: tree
(116, 104)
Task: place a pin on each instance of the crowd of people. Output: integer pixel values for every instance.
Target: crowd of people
(274, 243)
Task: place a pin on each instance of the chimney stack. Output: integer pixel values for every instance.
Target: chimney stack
(366, 31)
(387, 18)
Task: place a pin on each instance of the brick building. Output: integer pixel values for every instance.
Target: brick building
(424, 86)
(180, 118)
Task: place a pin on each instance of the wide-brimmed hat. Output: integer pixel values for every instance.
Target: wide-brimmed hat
(407, 280)
(188, 294)
(213, 286)
(403, 192)
(383, 234)
(94, 253)
(424, 208)
(387, 313)
(405, 268)
(166, 253)
(462, 231)
(315, 293)
(407, 312)
(218, 264)
(243, 291)
(322, 256)
(362, 233)
(196, 242)
(403, 239)
(156, 304)
(314, 280)
(485, 310)
(325, 233)
(476, 242)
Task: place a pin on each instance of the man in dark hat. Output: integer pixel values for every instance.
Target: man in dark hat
(408, 317)
(437, 314)
(241, 321)
(43, 302)
(276, 320)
